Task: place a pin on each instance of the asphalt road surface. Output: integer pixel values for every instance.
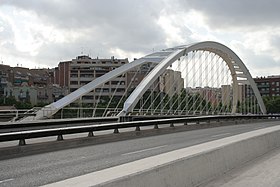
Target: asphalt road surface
(50, 167)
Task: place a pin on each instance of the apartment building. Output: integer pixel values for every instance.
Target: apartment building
(3, 78)
(26, 85)
(268, 86)
(83, 69)
(171, 82)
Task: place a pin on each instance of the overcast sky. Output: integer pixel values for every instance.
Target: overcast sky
(41, 33)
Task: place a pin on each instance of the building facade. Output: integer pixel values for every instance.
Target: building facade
(83, 69)
(172, 82)
(268, 86)
(26, 85)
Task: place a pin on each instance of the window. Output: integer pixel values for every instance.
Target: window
(74, 82)
(115, 82)
(73, 89)
(87, 97)
(120, 90)
(84, 82)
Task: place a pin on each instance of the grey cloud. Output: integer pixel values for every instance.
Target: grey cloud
(237, 13)
(258, 64)
(7, 34)
(275, 41)
(130, 25)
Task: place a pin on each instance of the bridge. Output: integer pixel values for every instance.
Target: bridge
(204, 78)
(175, 96)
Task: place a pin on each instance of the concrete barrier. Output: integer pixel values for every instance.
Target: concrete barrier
(189, 166)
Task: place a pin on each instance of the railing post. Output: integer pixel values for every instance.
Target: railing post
(16, 115)
(22, 142)
(59, 137)
(116, 131)
(90, 134)
(137, 128)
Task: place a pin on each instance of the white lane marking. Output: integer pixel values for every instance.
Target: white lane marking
(6, 180)
(143, 150)
(220, 135)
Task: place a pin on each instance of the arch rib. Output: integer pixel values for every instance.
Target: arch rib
(224, 52)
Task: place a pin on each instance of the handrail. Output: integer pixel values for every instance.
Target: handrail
(22, 135)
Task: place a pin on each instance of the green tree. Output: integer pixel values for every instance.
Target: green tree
(272, 104)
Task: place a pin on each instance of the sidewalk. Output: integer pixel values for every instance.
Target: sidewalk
(263, 171)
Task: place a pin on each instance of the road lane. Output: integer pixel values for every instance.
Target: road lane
(50, 167)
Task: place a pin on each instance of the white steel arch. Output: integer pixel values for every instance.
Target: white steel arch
(163, 58)
(236, 67)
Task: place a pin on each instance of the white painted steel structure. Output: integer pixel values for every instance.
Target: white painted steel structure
(163, 59)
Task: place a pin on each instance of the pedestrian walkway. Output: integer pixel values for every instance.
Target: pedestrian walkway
(263, 171)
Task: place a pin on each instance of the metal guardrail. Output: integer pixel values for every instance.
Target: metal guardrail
(22, 135)
(56, 122)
